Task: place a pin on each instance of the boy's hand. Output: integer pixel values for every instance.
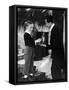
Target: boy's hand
(37, 41)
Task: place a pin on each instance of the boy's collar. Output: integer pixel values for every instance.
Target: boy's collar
(27, 32)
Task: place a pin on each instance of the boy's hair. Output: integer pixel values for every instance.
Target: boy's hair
(26, 24)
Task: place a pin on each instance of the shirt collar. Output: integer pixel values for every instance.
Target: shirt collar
(28, 32)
